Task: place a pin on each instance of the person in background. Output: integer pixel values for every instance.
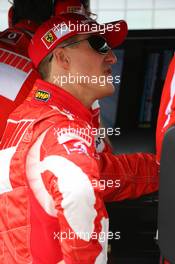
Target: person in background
(16, 71)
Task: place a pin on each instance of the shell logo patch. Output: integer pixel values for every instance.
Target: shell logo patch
(42, 96)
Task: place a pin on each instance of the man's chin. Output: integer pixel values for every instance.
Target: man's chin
(106, 91)
(110, 89)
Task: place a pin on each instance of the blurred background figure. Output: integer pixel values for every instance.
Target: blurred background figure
(16, 71)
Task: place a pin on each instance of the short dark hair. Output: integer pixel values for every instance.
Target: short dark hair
(34, 10)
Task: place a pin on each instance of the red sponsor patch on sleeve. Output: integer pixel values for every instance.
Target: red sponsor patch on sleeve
(11, 37)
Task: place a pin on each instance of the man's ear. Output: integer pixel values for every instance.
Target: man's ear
(62, 58)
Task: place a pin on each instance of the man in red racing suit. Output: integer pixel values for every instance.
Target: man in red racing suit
(16, 71)
(53, 180)
(63, 170)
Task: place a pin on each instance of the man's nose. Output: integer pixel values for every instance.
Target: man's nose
(111, 57)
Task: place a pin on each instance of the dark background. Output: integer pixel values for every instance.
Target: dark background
(142, 65)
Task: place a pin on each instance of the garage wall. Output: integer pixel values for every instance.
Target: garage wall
(140, 14)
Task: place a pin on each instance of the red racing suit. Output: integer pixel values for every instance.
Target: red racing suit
(163, 261)
(52, 189)
(166, 117)
(16, 73)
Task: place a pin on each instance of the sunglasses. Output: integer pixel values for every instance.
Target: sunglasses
(96, 42)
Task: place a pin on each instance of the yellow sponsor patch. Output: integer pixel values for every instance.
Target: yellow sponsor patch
(42, 95)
